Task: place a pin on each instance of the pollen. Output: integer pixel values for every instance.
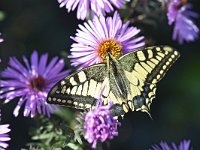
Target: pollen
(109, 46)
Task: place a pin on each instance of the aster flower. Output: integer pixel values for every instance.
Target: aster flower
(96, 38)
(4, 137)
(181, 16)
(31, 83)
(184, 145)
(96, 7)
(100, 125)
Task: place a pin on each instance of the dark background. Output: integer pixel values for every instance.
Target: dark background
(27, 25)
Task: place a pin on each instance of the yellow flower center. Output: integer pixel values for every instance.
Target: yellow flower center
(109, 46)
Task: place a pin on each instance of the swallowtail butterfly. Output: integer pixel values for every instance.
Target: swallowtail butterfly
(131, 81)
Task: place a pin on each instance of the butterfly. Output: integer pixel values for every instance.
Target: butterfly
(129, 81)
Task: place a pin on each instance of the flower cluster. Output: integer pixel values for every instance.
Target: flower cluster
(97, 7)
(4, 137)
(184, 145)
(100, 125)
(102, 35)
(31, 83)
(181, 16)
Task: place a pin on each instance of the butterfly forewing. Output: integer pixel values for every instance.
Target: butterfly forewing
(144, 68)
(81, 89)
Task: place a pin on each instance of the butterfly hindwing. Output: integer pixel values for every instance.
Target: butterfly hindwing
(144, 68)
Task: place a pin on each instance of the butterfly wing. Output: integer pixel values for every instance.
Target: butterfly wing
(144, 68)
(80, 90)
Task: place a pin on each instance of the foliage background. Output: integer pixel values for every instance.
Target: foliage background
(27, 25)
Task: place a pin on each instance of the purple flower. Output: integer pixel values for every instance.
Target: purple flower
(100, 124)
(96, 7)
(96, 38)
(4, 129)
(184, 145)
(181, 16)
(31, 83)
